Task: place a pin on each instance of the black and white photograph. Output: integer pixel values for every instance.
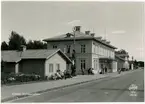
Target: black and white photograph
(72, 51)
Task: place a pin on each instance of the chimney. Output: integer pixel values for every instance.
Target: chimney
(23, 48)
(99, 38)
(87, 32)
(103, 40)
(108, 42)
(92, 34)
(77, 28)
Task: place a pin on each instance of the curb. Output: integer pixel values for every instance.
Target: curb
(50, 89)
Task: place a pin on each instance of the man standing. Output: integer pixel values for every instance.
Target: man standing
(105, 69)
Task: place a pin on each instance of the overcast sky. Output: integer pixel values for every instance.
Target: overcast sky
(40, 20)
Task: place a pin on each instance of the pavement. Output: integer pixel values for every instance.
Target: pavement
(9, 93)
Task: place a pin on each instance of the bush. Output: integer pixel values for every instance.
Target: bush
(19, 77)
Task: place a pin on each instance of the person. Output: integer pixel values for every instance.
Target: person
(58, 74)
(61, 73)
(89, 71)
(105, 69)
(67, 74)
(119, 71)
(92, 71)
(82, 71)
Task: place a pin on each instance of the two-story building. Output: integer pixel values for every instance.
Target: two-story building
(91, 52)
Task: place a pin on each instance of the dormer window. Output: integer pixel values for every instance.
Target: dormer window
(54, 46)
(68, 35)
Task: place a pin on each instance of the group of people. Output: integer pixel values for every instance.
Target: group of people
(90, 71)
(104, 70)
(61, 75)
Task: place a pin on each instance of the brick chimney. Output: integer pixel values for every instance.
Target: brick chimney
(108, 42)
(77, 28)
(92, 34)
(87, 32)
(104, 40)
(99, 38)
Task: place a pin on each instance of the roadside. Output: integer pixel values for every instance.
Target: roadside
(18, 91)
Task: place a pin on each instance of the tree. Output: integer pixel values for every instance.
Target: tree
(4, 46)
(141, 63)
(122, 51)
(15, 41)
(36, 44)
(30, 45)
(135, 64)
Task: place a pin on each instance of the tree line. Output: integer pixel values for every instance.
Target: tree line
(16, 40)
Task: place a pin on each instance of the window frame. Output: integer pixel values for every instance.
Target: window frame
(51, 71)
(57, 68)
(54, 46)
(83, 48)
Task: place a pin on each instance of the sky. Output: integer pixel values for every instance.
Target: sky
(121, 23)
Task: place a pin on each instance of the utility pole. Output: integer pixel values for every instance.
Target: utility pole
(73, 54)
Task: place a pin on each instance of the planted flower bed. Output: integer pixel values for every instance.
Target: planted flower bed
(20, 77)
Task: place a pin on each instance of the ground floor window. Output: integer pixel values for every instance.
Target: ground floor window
(50, 68)
(57, 66)
(95, 63)
(83, 64)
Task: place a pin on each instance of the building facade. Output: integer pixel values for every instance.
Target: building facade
(91, 52)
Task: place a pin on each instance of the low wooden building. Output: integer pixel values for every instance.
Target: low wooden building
(42, 62)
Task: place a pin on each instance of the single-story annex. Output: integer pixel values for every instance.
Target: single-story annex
(42, 62)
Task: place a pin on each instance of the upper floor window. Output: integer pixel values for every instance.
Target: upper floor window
(68, 48)
(83, 48)
(54, 46)
(94, 49)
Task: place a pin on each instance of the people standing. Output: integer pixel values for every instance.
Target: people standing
(105, 69)
(83, 71)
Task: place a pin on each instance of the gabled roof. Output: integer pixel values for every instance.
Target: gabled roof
(16, 56)
(10, 56)
(78, 36)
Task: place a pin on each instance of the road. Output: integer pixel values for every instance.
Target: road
(112, 89)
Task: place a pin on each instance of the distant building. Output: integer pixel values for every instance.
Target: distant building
(42, 62)
(124, 56)
(91, 52)
(120, 62)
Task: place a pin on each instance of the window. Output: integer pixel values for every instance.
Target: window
(101, 51)
(97, 49)
(83, 64)
(83, 48)
(95, 63)
(50, 68)
(54, 46)
(68, 48)
(57, 66)
(94, 48)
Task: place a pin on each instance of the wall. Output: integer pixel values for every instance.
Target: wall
(8, 67)
(120, 63)
(101, 51)
(87, 55)
(32, 66)
(56, 59)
